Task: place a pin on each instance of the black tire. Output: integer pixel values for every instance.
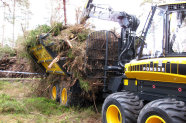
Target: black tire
(128, 106)
(163, 110)
(71, 98)
(72, 94)
(65, 98)
(54, 92)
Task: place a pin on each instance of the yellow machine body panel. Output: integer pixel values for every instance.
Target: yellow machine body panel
(43, 57)
(171, 69)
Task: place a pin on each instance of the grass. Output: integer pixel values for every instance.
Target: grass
(2, 84)
(10, 105)
(29, 108)
(14, 104)
(44, 106)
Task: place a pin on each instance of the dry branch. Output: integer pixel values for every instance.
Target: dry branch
(54, 61)
(68, 42)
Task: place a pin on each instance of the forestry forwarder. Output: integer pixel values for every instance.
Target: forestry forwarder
(152, 88)
(146, 81)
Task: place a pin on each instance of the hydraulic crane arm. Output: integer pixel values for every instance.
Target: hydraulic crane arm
(104, 12)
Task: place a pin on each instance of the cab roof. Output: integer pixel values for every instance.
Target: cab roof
(172, 3)
(179, 5)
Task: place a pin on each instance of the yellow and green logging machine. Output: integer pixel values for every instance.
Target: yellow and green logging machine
(153, 86)
(144, 77)
(149, 84)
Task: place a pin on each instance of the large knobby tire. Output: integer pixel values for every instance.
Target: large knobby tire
(68, 98)
(65, 97)
(70, 95)
(121, 107)
(163, 111)
(54, 91)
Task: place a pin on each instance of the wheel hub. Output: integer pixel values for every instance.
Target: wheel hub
(64, 96)
(155, 119)
(54, 92)
(113, 114)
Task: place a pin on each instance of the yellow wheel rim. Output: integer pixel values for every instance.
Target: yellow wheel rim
(155, 119)
(64, 96)
(54, 93)
(113, 114)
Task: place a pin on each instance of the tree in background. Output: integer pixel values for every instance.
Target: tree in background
(15, 12)
(56, 11)
(5, 6)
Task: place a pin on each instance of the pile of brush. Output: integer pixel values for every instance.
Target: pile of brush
(6, 62)
(11, 67)
(70, 42)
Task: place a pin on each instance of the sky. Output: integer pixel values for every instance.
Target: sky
(41, 8)
(41, 13)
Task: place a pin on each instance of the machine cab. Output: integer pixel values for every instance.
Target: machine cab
(163, 50)
(166, 35)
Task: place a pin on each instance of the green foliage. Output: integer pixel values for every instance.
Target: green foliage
(32, 36)
(57, 29)
(84, 84)
(82, 36)
(70, 54)
(9, 105)
(43, 105)
(43, 28)
(6, 50)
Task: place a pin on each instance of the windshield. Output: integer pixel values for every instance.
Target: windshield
(153, 42)
(177, 31)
